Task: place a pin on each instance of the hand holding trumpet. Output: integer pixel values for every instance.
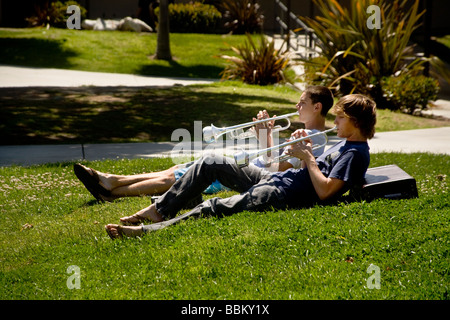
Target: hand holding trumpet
(301, 149)
(212, 133)
(267, 126)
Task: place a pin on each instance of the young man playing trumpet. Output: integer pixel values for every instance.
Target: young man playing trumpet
(331, 175)
(314, 104)
(312, 108)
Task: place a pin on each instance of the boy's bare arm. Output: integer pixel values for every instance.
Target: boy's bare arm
(325, 187)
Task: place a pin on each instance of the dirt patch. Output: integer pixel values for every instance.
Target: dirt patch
(106, 98)
(85, 94)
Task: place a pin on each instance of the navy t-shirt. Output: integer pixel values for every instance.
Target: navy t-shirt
(346, 160)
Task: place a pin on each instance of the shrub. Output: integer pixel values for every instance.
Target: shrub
(242, 16)
(358, 57)
(409, 93)
(193, 18)
(53, 14)
(260, 65)
(313, 74)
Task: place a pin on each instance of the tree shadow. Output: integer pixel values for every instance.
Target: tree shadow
(119, 114)
(175, 69)
(22, 51)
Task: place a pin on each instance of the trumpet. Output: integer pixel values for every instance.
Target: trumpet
(243, 158)
(212, 133)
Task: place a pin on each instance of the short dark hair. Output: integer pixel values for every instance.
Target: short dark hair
(362, 112)
(323, 95)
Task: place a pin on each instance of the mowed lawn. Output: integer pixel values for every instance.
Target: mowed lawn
(194, 55)
(50, 225)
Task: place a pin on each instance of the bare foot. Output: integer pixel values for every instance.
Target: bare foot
(148, 213)
(116, 231)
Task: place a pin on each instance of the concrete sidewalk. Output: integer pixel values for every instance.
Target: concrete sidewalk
(11, 76)
(436, 140)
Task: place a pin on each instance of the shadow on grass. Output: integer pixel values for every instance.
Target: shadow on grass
(35, 52)
(119, 114)
(174, 69)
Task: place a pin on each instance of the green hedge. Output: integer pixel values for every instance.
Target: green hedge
(408, 93)
(194, 18)
(53, 13)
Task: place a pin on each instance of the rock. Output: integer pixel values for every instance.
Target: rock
(125, 24)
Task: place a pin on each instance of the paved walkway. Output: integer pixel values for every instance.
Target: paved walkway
(435, 140)
(425, 140)
(11, 76)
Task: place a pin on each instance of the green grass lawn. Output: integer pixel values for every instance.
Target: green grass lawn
(50, 222)
(195, 55)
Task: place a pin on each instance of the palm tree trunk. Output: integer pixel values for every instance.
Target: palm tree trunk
(163, 42)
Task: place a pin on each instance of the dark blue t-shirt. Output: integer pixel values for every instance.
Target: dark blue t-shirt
(346, 160)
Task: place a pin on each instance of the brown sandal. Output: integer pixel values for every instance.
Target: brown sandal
(119, 232)
(89, 178)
